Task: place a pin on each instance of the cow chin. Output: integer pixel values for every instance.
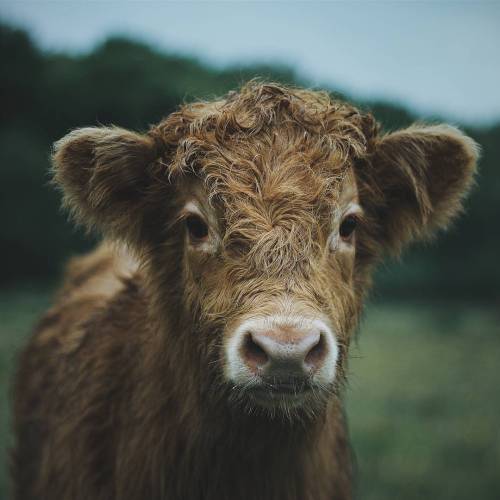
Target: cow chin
(295, 402)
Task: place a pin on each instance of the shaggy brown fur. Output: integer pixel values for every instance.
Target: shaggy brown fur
(121, 393)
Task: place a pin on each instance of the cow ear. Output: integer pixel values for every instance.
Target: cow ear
(105, 174)
(417, 180)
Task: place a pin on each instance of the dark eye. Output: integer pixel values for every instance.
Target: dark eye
(197, 228)
(348, 226)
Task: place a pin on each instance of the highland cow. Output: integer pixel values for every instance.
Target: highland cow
(200, 352)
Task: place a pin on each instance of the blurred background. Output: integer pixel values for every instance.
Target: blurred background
(424, 398)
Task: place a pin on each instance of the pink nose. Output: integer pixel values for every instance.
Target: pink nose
(284, 351)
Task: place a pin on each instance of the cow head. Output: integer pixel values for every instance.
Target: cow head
(260, 216)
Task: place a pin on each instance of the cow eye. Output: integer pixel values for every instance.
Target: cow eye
(196, 227)
(348, 226)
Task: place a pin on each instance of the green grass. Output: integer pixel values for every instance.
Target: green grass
(423, 401)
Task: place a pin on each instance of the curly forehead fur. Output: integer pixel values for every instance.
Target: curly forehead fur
(275, 157)
(246, 125)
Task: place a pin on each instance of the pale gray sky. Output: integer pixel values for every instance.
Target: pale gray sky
(433, 56)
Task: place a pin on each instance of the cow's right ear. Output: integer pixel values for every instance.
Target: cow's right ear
(416, 181)
(105, 174)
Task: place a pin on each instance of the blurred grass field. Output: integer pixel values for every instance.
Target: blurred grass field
(423, 401)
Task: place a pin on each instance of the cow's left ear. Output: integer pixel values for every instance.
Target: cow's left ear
(416, 180)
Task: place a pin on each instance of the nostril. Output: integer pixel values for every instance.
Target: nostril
(317, 353)
(252, 353)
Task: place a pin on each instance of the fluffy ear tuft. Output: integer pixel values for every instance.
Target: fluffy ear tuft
(417, 180)
(103, 173)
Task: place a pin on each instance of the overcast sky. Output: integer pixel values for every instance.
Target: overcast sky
(433, 56)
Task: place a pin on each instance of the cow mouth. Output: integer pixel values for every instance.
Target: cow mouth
(270, 394)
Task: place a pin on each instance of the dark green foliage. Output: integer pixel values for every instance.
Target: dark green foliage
(44, 95)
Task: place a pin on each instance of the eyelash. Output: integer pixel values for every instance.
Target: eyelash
(196, 227)
(348, 227)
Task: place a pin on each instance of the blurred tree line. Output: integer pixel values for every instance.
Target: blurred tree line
(130, 84)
